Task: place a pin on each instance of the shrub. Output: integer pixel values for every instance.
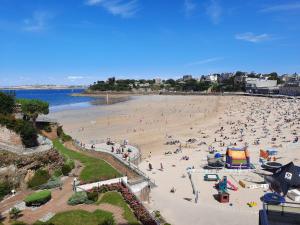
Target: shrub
(103, 189)
(47, 128)
(28, 134)
(157, 214)
(57, 173)
(109, 221)
(18, 223)
(92, 196)
(7, 103)
(79, 198)
(26, 130)
(38, 198)
(60, 133)
(14, 213)
(40, 177)
(5, 188)
(54, 182)
(68, 166)
(43, 223)
(66, 169)
(66, 138)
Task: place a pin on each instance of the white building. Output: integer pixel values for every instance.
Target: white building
(259, 83)
(261, 86)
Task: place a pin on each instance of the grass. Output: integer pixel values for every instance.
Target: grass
(94, 169)
(38, 196)
(80, 217)
(115, 198)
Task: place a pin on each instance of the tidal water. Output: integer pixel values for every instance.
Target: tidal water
(58, 99)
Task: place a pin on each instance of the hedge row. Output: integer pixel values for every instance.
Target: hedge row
(38, 198)
(139, 210)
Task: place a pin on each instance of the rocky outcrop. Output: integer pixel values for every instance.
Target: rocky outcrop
(50, 158)
(15, 168)
(10, 137)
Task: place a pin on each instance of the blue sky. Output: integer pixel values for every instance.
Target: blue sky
(80, 41)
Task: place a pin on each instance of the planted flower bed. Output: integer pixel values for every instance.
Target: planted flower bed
(38, 198)
(139, 210)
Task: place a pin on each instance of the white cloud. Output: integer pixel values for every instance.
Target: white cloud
(189, 7)
(123, 8)
(73, 78)
(214, 11)
(205, 61)
(282, 7)
(37, 22)
(249, 36)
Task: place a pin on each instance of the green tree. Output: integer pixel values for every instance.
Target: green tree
(7, 103)
(32, 108)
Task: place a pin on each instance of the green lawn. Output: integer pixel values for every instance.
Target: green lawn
(38, 196)
(81, 217)
(94, 169)
(115, 198)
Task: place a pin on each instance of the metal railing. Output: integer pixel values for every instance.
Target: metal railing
(136, 159)
(130, 165)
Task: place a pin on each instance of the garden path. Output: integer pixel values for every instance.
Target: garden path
(58, 203)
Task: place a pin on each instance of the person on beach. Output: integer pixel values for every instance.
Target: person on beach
(150, 166)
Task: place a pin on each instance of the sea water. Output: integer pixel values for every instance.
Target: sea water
(58, 100)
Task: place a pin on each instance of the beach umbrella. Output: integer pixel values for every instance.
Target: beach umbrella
(284, 178)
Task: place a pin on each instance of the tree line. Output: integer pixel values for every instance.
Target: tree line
(228, 84)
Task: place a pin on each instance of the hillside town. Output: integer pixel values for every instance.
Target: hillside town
(254, 83)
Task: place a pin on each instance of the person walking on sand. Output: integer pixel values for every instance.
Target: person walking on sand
(161, 167)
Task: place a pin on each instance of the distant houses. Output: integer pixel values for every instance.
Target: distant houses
(252, 82)
(291, 86)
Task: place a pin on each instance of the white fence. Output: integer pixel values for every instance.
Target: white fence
(86, 187)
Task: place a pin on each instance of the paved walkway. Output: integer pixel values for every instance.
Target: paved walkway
(131, 151)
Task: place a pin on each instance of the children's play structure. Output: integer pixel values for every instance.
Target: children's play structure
(237, 158)
(268, 155)
(225, 184)
(222, 187)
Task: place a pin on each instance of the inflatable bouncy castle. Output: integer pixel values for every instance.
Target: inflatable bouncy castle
(237, 158)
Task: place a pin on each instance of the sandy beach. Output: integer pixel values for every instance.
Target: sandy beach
(195, 124)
